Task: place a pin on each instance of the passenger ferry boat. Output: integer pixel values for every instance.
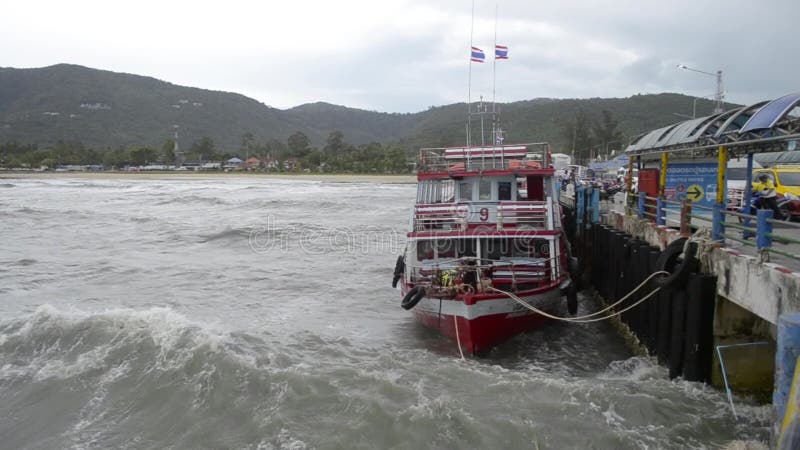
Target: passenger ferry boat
(478, 247)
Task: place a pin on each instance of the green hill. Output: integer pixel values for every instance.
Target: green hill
(106, 109)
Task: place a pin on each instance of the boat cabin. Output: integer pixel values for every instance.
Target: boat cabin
(470, 208)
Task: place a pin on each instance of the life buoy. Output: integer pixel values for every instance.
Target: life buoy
(679, 268)
(399, 268)
(412, 297)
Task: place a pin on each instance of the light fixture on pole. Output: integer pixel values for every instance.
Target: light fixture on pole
(719, 95)
(607, 145)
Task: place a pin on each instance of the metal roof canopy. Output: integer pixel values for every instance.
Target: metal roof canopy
(769, 115)
(763, 126)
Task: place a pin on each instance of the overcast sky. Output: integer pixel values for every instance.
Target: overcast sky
(406, 55)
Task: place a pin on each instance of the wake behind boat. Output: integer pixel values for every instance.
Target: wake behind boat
(481, 255)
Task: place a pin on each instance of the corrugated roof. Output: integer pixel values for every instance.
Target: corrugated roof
(726, 128)
(738, 119)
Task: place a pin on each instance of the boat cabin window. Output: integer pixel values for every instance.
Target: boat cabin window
(498, 249)
(485, 190)
(488, 189)
(445, 249)
(424, 250)
(465, 191)
(495, 249)
(504, 190)
(465, 247)
(435, 191)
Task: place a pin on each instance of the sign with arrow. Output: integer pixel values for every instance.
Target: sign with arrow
(694, 193)
(692, 181)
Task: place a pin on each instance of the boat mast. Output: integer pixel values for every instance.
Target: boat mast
(497, 130)
(469, 82)
(494, 81)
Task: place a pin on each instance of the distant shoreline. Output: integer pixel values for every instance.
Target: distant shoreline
(343, 178)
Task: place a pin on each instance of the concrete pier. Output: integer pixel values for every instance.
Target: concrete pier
(749, 298)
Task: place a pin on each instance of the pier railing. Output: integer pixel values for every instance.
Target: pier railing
(757, 231)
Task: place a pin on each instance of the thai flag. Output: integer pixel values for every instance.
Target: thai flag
(500, 52)
(477, 55)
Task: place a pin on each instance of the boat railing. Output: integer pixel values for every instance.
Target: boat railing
(441, 216)
(472, 159)
(497, 271)
(526, 214)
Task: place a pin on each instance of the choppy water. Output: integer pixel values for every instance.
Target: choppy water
(258, 314)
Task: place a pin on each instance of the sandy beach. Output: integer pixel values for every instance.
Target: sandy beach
(341, 178)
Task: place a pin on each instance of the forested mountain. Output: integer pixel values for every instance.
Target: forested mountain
(102, 109)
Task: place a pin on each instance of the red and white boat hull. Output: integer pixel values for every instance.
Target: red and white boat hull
(481, 321)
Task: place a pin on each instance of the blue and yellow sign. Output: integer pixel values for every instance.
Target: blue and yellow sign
(696, 182)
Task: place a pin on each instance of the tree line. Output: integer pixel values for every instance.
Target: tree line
(590, 138)
(335, 156)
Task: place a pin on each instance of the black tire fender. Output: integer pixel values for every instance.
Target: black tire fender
(679, 268)
(412, 297)
(399, 268)
(572, 299)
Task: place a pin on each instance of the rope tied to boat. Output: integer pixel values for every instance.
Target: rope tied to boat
(590, 317)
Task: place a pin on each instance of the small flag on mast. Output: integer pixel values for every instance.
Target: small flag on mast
(500, 52)
(477, 55)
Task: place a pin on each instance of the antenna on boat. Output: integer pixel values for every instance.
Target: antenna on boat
(469, 83)
(494, 66)
(496, 139)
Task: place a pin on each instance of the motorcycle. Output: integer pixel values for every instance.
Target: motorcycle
(612, 189)
(788, 205)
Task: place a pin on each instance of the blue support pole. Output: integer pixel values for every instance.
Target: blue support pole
(748, 195)
(717, 222)
(579, 206)
(785, 358)
(762, 228)
(640, 211)
(596, 206)
(660, 213)
(588, 202)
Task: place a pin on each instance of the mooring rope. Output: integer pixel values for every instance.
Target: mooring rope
(589, 317)
(702, 237)
(458, 340)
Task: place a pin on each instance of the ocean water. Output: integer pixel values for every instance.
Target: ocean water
(251, 313)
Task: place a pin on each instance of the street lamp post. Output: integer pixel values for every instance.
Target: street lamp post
(719, 95)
